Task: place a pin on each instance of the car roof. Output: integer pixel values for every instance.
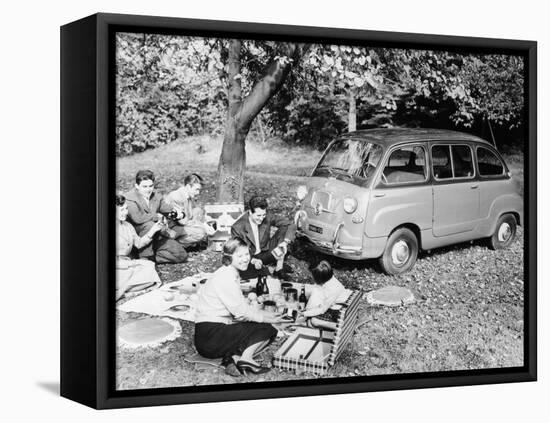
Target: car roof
(389, 137)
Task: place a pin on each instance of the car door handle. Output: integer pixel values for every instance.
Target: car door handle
(474, 186)
(380, 195)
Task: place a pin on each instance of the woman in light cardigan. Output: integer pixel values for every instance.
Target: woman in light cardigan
(132, 275)
(226, 326)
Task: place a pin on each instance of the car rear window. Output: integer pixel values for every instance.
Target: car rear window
(488, 163)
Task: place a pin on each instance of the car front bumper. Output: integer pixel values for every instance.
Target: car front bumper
(371, 248)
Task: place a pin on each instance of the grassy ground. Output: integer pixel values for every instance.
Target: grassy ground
(468, 312)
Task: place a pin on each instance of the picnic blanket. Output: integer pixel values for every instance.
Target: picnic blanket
(148, 332)
(174, 299)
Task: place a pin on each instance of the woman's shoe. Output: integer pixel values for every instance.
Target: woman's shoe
(232, 370)
(245, 367)
(230, 367)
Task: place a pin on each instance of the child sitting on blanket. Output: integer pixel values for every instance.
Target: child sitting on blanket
(327, 292)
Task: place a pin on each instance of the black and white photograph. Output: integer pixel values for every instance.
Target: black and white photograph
(243, 211)
(289, 210)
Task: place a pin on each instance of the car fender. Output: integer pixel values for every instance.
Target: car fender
(509, 203)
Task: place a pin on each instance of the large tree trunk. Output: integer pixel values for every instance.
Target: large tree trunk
(240, 115)
(232, 164)
(233, 157)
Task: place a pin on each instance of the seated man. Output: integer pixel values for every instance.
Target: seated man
(145, 207)
(190, 229)
(254, 228)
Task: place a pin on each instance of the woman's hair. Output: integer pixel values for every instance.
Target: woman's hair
(120, 200)
(229, 248)
(144, 175)
(321, 272)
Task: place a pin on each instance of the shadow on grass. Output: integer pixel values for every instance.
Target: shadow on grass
(304, 251)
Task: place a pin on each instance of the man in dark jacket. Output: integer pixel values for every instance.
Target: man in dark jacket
(254, 228)
(145, 207)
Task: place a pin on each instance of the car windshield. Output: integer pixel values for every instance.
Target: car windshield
(349, 159)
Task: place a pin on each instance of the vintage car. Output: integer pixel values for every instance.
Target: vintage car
(387, 193)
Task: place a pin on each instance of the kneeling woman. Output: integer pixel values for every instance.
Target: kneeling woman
(226, 326)
(132, 275)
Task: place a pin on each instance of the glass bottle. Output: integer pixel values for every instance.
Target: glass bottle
(302, 299)
(260, 286)
(265, 287)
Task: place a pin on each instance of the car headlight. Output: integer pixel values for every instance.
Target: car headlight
(350, 204)
(301, 192)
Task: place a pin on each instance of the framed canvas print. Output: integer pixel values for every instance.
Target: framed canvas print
(257, 211)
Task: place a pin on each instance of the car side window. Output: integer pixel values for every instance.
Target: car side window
(441, 162)
(462, 161)
(406, 164)
(488, 163)
(452, 161)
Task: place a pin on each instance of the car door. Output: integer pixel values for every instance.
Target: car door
(455, 189)
(403, 193)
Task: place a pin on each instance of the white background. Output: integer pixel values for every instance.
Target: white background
(29, 157)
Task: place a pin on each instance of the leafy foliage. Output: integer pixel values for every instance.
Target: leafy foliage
(174, 86)
(167, 87)
(496, 84)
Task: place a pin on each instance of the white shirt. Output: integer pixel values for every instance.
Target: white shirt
(325, 296)
(146, 199)
(256, 234)
(221, 299)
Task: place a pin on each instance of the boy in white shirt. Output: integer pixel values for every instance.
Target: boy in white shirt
(327, 292)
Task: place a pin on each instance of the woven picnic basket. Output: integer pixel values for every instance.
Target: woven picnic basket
(316, 350)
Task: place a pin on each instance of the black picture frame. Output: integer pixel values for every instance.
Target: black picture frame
(87, 222)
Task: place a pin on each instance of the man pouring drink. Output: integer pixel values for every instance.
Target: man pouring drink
(254, 227)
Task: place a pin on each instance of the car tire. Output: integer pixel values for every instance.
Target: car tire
(400, 253)
(505, 232)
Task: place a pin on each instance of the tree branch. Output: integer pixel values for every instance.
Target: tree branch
(276, 72)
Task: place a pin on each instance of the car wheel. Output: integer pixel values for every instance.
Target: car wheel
(505, 232)
(400, 253)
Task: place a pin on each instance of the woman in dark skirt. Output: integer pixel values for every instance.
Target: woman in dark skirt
(226, 326)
